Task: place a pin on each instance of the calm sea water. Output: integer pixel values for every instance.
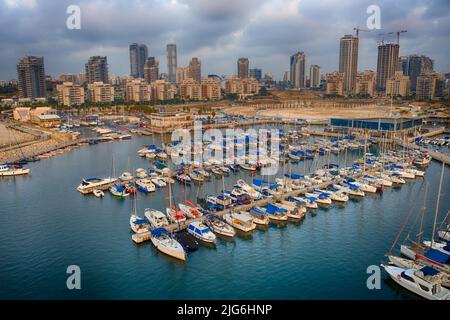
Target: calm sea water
(46, 225)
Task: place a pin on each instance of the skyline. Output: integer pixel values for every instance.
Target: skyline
(267, 32)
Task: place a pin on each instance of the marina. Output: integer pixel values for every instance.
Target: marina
(338, 221)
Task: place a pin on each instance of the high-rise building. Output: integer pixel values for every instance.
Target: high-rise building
(417, 66)
(298, 72)
(151, 70)
(399, 85)
(31, 77)
(403, 65)
(138, 57)
(387, 64)
(255, 73)
(430, 86)
(70, 94)
(242, 67)
(348, 61)
(195, 70)
(335, 83)
(97, 69)
(182, 74)
(171, 62)
(314, 76)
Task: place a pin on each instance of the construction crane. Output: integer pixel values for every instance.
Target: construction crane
(398, 35)
(358, 29)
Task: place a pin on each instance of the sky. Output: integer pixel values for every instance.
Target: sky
(216, 31)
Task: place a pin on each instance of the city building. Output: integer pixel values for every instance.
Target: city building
(195, 70)
(242, 86)
(97, 69)
(430, 86)
(403, 65)
(138, 56)
(151, 70)
(314, 76)
(298, 73)
(100, 92)
(398, 86)
(164, 122)
(70, 94)
(255, 73)
(335, 83)
(171, 62)
(163, 90)
(138, 90)
(211, 89)
(366, 83)
(417, 66)
(242, 68)
(387, 64)
(348, 61)
(182, 74)
(190, 89)
(31, 77)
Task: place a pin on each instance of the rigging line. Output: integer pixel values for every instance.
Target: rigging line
(402, 228)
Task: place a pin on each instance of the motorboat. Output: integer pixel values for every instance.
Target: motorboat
(247, 166)
(196, 176)
(145, 185)
(248, 189)
(91, 184)
(293, 211)
(9, 170)
(309, 203)
(201, 232)
(98, 193)
(165, 243)
(218, 225)
(259, 216)
(183, 178)
(320, 198)
(118, 191)
(126, 177)
(242, 221)
(156, 218)
(138, 224)
(158, 181)
(141, 173)
(425, 282)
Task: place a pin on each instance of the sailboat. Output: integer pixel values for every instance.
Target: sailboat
(174, 215)
(138, 224)
(165, 243)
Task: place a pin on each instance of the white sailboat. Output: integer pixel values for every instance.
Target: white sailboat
(165, 243)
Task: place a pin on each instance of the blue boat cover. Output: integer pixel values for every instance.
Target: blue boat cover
(159, 231)
(437, 256)
(140, 221)
(429, 271)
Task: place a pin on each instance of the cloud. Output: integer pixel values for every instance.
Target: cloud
(218, 32)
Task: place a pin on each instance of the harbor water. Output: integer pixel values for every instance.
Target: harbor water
(46, 226)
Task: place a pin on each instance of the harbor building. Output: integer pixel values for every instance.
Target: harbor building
(378, 124)
(335, 83)
(398, 86)
(242, 68)
(46, 120)
(100, 92)
(365, 83)
(164, 122)
(97, 69)
(70, 94)
(348, 61)
(31, 77)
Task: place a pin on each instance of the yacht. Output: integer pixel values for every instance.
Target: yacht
(6, 170)
(218, 225)
(259, 216)
(164, 242)
(91, 184)
(242, 221)
(156, 218)
(201, 232)
(145, 185)
(425, 282)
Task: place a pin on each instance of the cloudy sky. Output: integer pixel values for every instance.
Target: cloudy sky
(218, 32)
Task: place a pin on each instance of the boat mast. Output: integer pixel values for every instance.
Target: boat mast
(437, 203)
(422, 214)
